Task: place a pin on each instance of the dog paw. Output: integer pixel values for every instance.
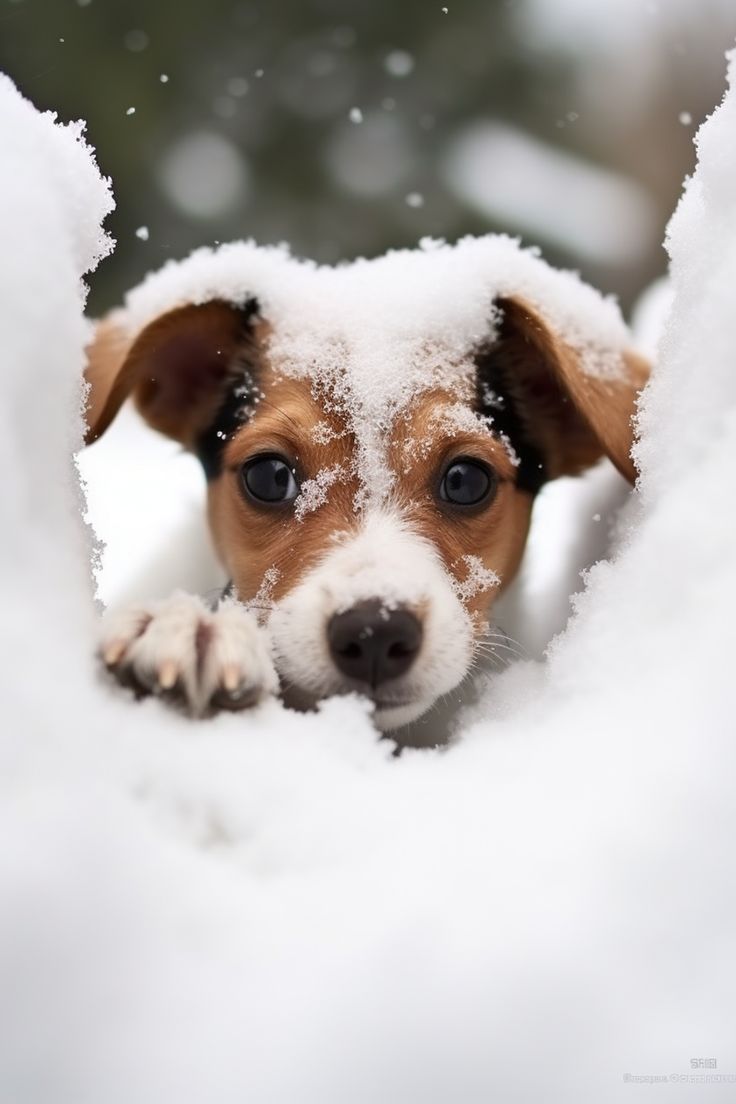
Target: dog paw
(202, 660)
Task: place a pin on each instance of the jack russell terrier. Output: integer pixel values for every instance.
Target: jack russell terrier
(373, 437)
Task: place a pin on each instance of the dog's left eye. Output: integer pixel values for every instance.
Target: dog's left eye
(467, 483)
(269, 479)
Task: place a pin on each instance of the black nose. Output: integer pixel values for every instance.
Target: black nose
(372, 644)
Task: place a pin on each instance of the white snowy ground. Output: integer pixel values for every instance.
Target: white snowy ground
(272, 908)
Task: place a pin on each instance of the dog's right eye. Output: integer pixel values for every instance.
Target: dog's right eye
(269, 479)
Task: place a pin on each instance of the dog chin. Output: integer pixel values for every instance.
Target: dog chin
(388, 718)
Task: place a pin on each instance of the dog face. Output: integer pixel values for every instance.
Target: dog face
(369, 523)
(380, 592)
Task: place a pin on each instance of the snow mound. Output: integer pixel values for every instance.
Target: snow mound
(439, 295)
(271, 908)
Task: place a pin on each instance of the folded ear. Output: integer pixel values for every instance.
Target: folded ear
(558, 416)
(177, 369)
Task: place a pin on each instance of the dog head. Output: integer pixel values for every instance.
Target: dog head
(371, 477)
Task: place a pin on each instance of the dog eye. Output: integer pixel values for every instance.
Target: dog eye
(467, 483)
(269, 479)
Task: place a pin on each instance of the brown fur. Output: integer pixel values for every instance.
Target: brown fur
(574, 418)
(176, 370)
(495, 534)
(249, 539)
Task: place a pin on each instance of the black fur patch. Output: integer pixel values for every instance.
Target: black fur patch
(495, 401)
(237, 402)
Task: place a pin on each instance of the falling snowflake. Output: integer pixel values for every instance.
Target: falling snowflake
(399, 63)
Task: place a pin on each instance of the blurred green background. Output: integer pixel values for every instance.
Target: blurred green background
(348, 128)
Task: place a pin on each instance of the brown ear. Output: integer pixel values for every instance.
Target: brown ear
(569, 417)
(176, 369)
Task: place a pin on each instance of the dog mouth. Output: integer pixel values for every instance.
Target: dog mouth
(303, 700)
(382, 699)
(381, 702)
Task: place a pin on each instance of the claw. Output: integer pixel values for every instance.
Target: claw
(168, 673)
(231, 677)
(113, 652)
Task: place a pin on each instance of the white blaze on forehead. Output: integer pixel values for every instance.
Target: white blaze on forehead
(384, 560)
(372, 335)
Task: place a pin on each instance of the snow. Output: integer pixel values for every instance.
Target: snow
(313, 493)
(204, 174)
(398, 63)
(146, 497)
(272, 907)
(596, 28)
(238, 87)
(136, 41)
(513, 178)
(478, 578)
(324, 322)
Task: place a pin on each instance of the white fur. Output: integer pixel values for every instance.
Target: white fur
(166, 632)
(385, 560)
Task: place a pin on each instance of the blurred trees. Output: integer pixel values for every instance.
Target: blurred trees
(325, 124)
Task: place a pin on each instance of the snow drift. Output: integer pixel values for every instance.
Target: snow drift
(271, 907)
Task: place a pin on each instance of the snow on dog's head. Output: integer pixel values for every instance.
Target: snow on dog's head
(373, 437)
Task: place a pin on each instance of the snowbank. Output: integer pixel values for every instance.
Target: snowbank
(271, 908)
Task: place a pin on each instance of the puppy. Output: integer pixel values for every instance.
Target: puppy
(373, 437)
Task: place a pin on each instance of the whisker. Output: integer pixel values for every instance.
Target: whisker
(503, 640)
(507, 654)
(498, 651)
(499, 634)
(499, 662)
(499, 638)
